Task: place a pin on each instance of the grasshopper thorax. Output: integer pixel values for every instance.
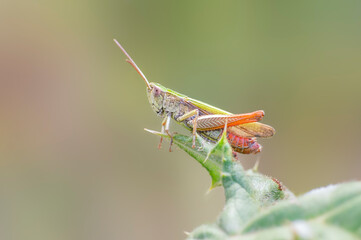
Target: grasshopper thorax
(156, 94)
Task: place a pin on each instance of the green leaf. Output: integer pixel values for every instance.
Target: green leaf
(204, 152)
(260, 207)
(332, 212)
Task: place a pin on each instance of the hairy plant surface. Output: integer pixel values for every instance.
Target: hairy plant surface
(260, 207)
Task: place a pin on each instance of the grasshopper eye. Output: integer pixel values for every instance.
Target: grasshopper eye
(156, 91)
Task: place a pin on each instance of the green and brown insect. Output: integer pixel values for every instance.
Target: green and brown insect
(205, 120)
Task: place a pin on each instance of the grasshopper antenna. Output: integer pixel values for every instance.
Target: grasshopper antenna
(131, 62)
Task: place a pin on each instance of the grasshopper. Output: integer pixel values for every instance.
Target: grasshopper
(203, 119)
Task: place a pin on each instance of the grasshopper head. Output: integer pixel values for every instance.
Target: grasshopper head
(155, 91)
(156, 94)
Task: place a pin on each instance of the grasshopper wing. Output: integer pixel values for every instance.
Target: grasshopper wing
(217, 121)
(254, 129)
(246, 130)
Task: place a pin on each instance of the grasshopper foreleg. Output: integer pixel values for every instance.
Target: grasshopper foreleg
(192, 113)
(167, 123)
(164, 122)
(165, 129)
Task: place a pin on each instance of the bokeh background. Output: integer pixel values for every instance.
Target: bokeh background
(75, 162)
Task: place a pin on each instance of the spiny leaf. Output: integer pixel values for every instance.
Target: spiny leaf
(211, 162)
(332, 212)
(260, 207)
(335, 204)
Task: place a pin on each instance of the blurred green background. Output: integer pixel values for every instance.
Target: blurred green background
(75, 160)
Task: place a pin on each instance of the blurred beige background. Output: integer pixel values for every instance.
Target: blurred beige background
(75, 160)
